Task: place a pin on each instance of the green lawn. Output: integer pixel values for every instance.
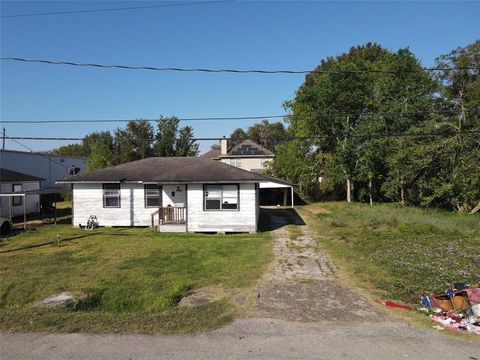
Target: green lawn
(399, 253)
(131, 278)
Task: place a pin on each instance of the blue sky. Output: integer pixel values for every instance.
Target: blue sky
(242, 34)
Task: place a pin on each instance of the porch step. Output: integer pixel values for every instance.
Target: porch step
(173, 228)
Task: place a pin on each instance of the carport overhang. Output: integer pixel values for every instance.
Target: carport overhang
(25, 194)
(279, 185)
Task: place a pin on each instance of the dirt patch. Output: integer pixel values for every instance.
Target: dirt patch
(302, 285)
(201, 296)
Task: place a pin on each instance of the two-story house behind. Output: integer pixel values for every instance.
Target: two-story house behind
(247, 155)
(250, 156)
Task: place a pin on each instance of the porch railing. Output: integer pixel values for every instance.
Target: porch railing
(168, 215)
(172, 215)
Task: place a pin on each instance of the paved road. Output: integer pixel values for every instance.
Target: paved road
(249, 339)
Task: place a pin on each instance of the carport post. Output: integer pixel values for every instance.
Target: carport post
(55, 208)
(24, 212)
(291, 191)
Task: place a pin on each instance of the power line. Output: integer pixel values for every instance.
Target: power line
(234, 118)
(115, 9)
(235, 71)
(288, 138)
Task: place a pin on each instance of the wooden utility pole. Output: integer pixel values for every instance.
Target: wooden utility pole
(3, 139)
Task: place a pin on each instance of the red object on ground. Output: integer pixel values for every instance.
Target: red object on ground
(394, 305)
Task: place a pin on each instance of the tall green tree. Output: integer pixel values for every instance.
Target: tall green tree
(328, 106)
(185, 145)
(133, 142)
(172, 141)
(69, 150)
(267, 134)
(101, 156)
(237, 136)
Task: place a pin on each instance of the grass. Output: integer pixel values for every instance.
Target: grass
(129, 279)
(400, 253)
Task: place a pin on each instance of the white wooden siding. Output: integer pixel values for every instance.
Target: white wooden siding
(222, 220)
(173, 197)
(32, 201)
(88, 200)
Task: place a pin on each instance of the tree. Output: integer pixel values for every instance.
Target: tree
(185, 145)
(237, 136)
(69, 150)
(100, 156)
(453, 178)
(170, 141)
(267, 134)
(328, 106)
(133, 142)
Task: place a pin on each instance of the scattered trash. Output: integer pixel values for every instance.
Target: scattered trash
(391, 304)
(458, 308)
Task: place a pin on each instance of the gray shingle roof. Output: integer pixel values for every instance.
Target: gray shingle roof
(171, 170)
(10, 175)
(212, 154)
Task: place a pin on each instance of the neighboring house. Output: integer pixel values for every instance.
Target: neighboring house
(15, 182)
(183, 194)
(46, 166)
(247, 155)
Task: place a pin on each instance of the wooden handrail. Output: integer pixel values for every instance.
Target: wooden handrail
(172, 215)
(152, 218)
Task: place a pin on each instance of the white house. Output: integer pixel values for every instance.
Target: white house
(46, 166)
(182, 194)
(12, 182)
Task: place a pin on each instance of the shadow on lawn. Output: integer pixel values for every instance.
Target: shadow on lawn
(47, 243)
(275, 218)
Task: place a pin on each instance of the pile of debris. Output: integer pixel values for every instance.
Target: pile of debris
(458, 308)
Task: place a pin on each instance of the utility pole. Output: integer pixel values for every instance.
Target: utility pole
(3, 139)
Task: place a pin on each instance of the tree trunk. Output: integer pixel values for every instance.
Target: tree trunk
(402, 195)
(349, 194)
(370, 191)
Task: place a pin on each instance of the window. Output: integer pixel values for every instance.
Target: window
(237, 162)
(111, 195)
(220, 197)
(152, 195)
(17, 200)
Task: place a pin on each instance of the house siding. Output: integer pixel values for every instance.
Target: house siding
(88, 200)
(249, 163)
(32, 201)
(242, 220)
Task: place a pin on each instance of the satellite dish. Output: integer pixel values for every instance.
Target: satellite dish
(73, 170)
